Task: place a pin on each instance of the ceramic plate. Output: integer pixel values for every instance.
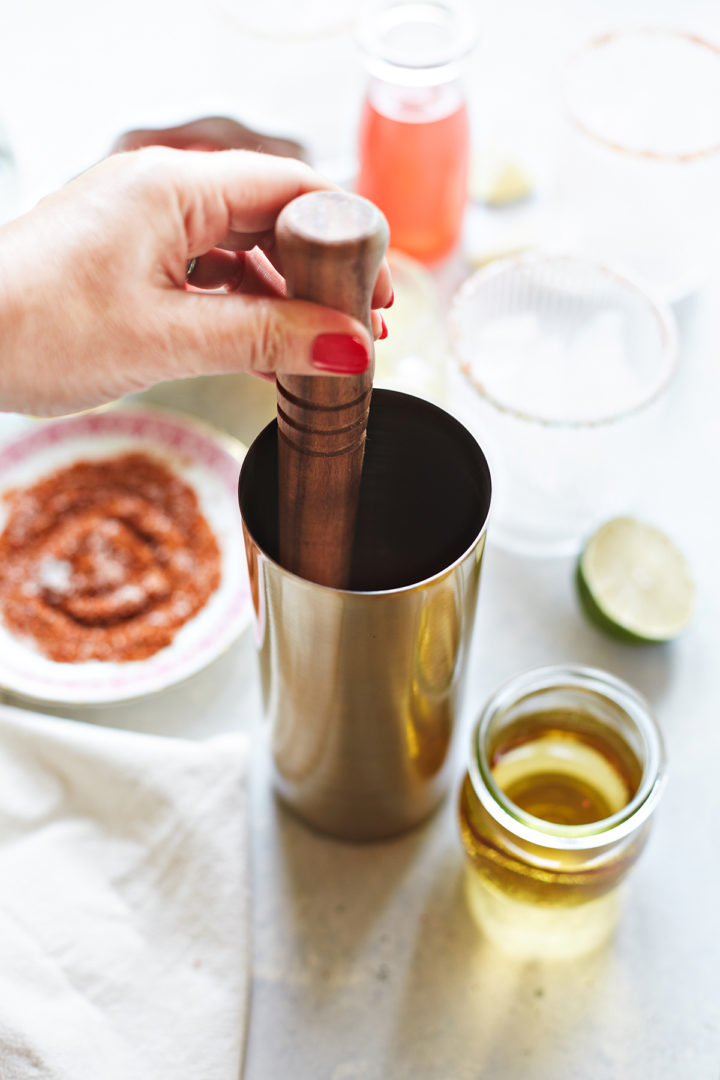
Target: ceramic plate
(209, 463)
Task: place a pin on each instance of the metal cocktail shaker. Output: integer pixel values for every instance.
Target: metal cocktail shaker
(361, 686)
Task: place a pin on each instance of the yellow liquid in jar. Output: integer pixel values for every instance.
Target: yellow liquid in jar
(559, 776)
(563, 768)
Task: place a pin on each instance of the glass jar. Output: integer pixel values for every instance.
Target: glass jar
(566, 769)
(413, 357)
(414, 140)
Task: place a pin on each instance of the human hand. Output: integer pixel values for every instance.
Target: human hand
(93, 296)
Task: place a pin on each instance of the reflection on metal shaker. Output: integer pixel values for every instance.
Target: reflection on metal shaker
(362, 686)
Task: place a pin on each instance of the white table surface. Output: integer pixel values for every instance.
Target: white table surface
(366, 963)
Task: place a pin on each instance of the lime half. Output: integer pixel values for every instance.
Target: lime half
(634, 583)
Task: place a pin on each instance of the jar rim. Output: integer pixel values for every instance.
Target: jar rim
(550, 834)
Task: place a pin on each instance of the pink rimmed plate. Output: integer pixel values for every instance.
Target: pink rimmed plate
(209, 462)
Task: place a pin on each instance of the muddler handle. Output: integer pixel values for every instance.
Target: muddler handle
(331, 245)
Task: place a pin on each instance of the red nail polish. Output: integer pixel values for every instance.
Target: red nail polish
(384, 331)
(340, 354)
(391, 301)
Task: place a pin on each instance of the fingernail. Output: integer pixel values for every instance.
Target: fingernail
(384, 331)
(391, 301)
(340, 354)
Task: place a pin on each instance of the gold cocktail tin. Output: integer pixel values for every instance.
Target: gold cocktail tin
(361, 686)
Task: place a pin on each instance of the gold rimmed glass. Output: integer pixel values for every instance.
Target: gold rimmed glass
(641, 156)
(561, 367)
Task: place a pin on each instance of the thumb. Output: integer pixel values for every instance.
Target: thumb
(215, 333)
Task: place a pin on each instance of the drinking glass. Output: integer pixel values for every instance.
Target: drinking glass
(640, 166)
(561, 368)
(413, 357)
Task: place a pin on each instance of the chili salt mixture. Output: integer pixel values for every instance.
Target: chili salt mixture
(105, 560)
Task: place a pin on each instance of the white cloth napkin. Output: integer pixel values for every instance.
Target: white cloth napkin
(123, 903)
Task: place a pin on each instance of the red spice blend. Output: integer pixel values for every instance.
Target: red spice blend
(105, 560)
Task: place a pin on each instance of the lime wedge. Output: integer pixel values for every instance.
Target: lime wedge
(634, 583)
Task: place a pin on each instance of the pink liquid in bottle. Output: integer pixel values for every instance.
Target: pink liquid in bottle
(414, 166)
(414, 132)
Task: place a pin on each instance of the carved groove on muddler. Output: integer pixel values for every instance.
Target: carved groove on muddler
(318, 406)
(354, 434)
(331, 245)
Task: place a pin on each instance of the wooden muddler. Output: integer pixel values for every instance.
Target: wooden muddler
(331, 245)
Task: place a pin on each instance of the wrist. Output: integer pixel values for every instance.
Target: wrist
(32, 311)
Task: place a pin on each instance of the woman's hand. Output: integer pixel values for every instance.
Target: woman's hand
(93, 296)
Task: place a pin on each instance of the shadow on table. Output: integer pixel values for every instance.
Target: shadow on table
(369, 965)
(340, 896)
(469, 1012)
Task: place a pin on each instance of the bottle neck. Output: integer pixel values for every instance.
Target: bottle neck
(415, 104)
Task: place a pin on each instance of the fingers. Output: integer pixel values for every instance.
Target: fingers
(211, 334)
(249, 273)
(383, 292)
(383, 295)
(216, 269)
(227, 200)
(231, 200)
(244, 191)
(253, 275)
(252, 189)
(236, 241)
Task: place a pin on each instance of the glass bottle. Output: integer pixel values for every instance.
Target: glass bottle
(414, 139)
(566, 768)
